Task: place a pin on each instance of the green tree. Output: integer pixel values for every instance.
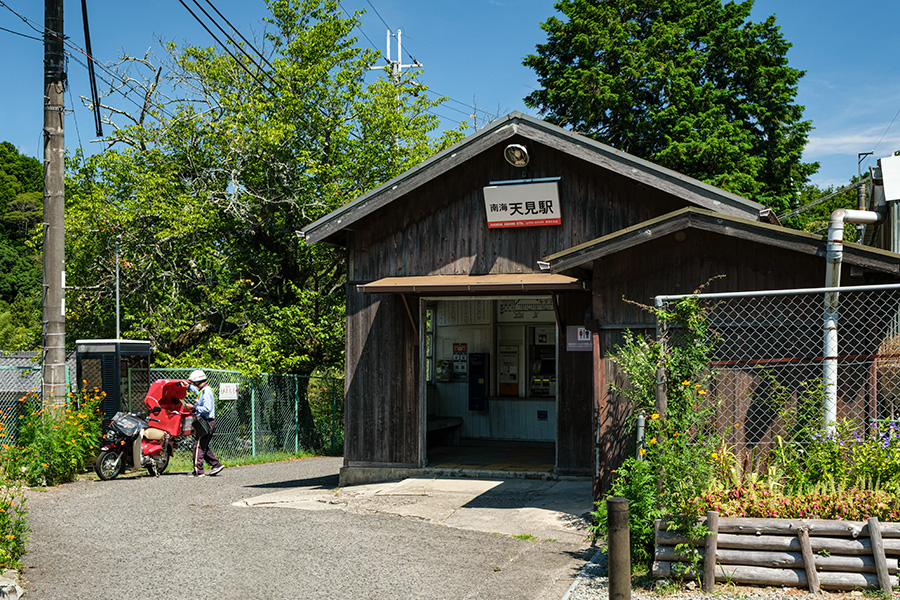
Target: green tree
(692, 85)
(21, 208)
(206, 194)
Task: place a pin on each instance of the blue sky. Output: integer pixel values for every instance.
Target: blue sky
(472, 51)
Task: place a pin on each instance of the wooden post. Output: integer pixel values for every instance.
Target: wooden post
(709, 559)
(812, 576)
(661, 397)
(884, 579)
(619, 548)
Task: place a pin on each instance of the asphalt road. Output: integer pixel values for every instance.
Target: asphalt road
(177, 537)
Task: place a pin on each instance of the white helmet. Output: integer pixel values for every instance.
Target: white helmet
(197, 376)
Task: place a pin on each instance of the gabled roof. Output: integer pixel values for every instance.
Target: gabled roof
(579, 257)
(329, 227)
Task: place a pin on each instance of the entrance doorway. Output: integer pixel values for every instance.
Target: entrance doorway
(490, 383)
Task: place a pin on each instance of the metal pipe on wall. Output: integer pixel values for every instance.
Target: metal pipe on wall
(834, 255)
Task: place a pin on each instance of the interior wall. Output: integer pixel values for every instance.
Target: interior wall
(475, 323)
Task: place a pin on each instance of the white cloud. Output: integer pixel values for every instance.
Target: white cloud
(855, 141)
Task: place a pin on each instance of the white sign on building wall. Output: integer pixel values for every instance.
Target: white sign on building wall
(522, 205)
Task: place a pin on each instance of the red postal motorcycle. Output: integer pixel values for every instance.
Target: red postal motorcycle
(132, 441)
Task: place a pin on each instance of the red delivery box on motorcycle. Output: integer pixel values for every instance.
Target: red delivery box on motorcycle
(166, 406)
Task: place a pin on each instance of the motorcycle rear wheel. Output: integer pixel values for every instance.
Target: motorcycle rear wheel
(109, 465)
(159, 464)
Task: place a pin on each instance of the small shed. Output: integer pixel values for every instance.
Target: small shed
(485, 284)
(673, 254)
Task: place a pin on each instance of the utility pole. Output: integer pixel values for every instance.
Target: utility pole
(397, 66)
(53, 368)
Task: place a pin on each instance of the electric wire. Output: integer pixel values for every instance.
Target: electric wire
(885, 133)
(240, 47)
(225, 48)
(74, 116)
(24, 35)
(235, 29)
(37, 27)
(363, 32)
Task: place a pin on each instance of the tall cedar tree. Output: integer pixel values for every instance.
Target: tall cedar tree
(691, 85)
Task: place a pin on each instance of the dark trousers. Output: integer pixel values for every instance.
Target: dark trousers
(202, 451)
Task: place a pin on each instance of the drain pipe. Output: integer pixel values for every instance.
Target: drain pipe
(833, 257)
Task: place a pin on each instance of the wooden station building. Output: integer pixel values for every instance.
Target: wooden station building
(485, 289)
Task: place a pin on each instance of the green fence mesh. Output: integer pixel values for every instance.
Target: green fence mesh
(269, 415)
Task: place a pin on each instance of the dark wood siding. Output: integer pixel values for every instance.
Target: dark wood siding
(440, 228)
(573, 425)
(382, 409)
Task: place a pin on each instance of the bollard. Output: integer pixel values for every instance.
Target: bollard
(618, 549)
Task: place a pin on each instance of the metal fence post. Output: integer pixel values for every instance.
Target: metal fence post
(296, 414)
(333, 410)
(253, 417)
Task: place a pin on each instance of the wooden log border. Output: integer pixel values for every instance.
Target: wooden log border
(806, 553)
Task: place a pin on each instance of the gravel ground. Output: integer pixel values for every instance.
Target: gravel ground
(182, 538)
(593, 584)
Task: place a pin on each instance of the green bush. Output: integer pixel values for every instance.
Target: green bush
(674, 464)
(13, 524)
(54, 443)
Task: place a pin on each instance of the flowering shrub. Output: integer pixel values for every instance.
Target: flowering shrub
(753, 502)
(13, 524)
(675, 463)
(54, 443)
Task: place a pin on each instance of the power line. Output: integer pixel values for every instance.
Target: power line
(378, 13)
(235, 29)
(231, 39)
(24, 35)
(885, 132)
(37, 27)
(224, 47)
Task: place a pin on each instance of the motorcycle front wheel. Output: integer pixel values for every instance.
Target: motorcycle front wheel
(109, 465)
(159, 464)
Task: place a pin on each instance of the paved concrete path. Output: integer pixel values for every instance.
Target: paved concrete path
(177, 537)
(545, 510)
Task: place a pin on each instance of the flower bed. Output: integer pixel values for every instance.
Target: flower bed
(806, 553)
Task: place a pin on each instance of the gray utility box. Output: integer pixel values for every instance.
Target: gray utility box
(121, 368)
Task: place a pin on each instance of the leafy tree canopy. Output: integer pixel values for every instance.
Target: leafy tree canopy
(21, 209)
(692, 85)
(206, 186)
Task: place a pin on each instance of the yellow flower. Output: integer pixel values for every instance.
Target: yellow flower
(686, 382)
(654, 416)
(45, 465)
(715, 456)
(652, 440)
(9, 536)
(643, 452)
(702, 392)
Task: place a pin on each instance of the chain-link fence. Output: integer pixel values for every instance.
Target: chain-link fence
(268, 415)
(17, 382)
(787, 361)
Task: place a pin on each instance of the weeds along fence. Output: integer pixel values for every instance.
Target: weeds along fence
(15, 383)
(268, 415)
(785, 361)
